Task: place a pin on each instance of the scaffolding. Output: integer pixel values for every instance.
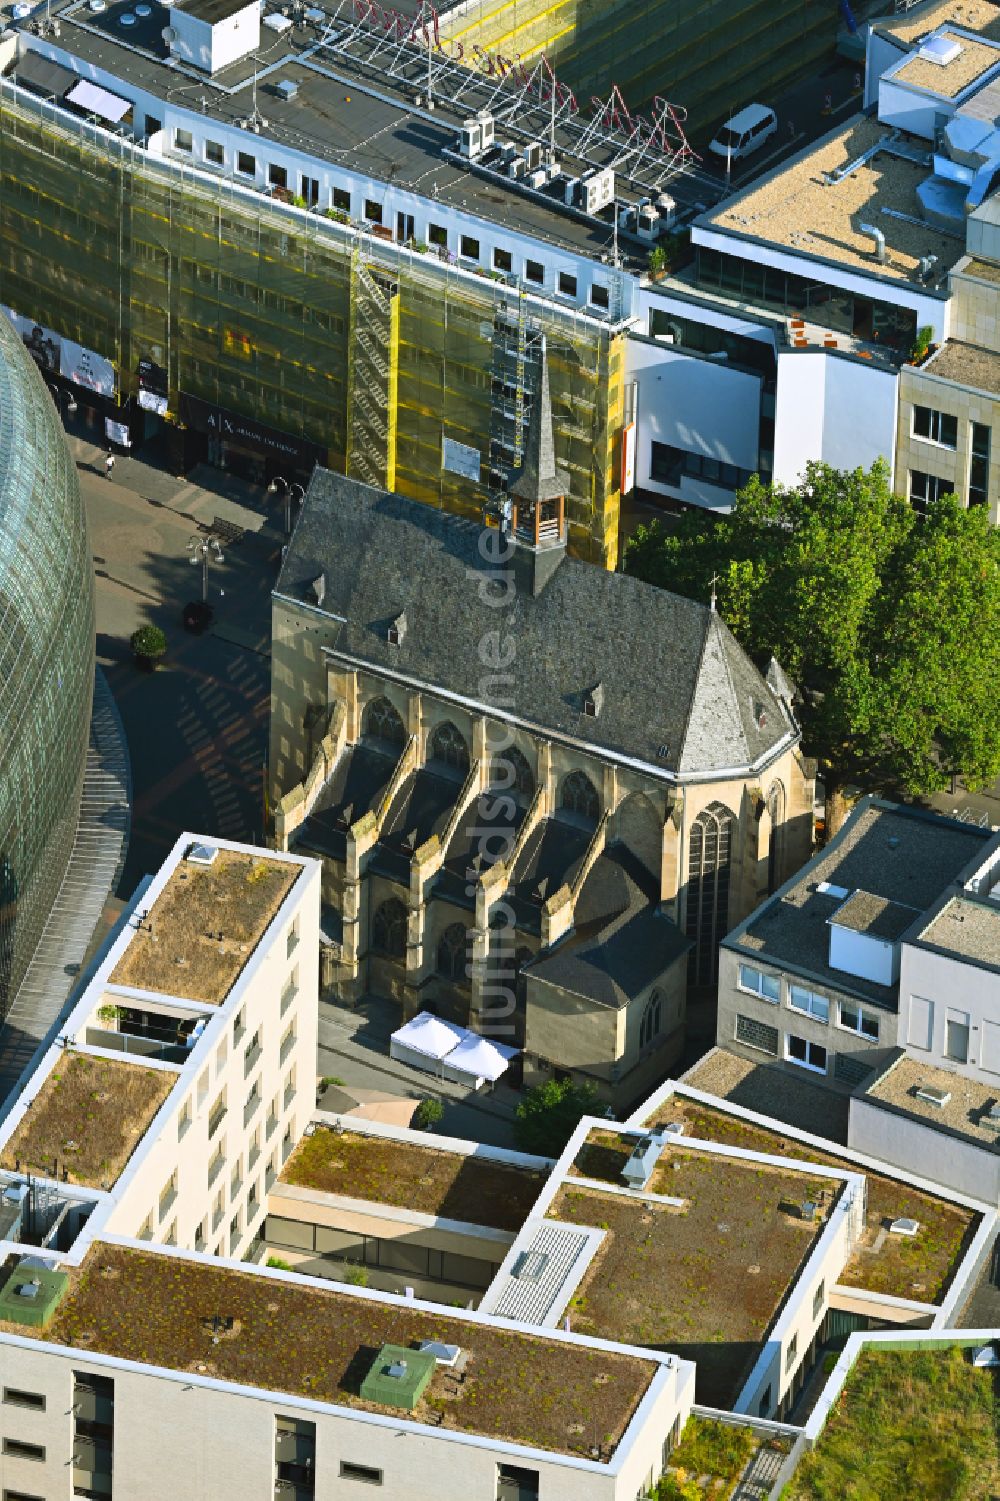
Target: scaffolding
(374, 351)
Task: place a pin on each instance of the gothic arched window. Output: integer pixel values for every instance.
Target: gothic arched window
(453, 953)
(389, 928)
(776, 813)
(448, 745)
(579, 795)
(652, 1019)
(709, 855)
(510, 772)
(382, 720)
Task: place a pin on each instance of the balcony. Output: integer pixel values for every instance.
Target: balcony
(289, 1094)
(215, 1167)
(234, 1240)
(199, 1241)
(146, 1233)
(251, 1056)
(167, 1202)
(253, 1157)
(215, 1120)
(251, 1107)
(217, 1218)
(288, 995)
(183, 1126)
(272, 1122)
(286, 1046)
(270, 1178)
(293, 942)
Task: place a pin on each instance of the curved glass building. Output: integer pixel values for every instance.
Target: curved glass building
(46, 656)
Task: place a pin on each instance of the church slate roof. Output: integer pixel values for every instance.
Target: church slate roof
(679, 693)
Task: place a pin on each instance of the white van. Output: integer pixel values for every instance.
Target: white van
(745, 132)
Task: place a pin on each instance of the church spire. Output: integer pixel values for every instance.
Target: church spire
(538, 479)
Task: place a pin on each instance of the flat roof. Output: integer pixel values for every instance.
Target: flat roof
(796, 208)
(948, 79)
(968, 364)
(967, 928)
(310, 1340)
(966, 1112)
(876, 916)
(899, 854)
(338, 116)
(448, 1185)
(982, 16)
(213, 10)
(87, 1119)
(203, 927)
(711, 1275)
(919, 1266)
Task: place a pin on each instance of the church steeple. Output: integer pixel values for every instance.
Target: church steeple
(538, 491)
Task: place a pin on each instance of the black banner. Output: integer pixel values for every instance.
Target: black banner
(203, 417)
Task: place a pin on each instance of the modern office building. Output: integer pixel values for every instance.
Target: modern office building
(46, 655)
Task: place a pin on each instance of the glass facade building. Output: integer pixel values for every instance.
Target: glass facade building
(46, 656)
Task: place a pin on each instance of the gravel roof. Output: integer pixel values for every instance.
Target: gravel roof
(966, 1112)
(948, 80)
(967, 928)
(875, 915)
(967, 364)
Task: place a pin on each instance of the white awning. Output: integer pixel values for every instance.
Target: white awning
(428, 1035)
(97, 101)
(480, 1058)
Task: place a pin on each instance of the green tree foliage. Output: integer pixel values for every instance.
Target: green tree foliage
(887, 622)
(148, 641)
(427, 1113)
(550, 1113)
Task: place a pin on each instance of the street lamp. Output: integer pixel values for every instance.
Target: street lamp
(57, 396)
(205, 550)
(288, 490)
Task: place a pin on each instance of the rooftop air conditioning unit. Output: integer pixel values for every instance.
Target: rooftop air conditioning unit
(487, 128)
(517, 168)
(597, 190)
(533, 154)
(470, 143)
(931, 1096)
(538, 178)
(647, 222)
(570, 190)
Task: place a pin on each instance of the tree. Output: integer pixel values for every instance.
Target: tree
(887, 621)
(148, 643)
(427, 1113)
(549, 1114)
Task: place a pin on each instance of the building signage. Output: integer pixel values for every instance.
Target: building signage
(459, 458)
(204, 417)
(55, 355)
(152, 387)
(628, 459)
(117, 432)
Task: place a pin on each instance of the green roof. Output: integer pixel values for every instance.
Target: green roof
(398, 1377)
(31, 1295)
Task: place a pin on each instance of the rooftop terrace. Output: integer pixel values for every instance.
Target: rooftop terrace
(705, 1281)
(918, 1266)
(87, 1119)
(444, 1184)
(909, 1422)
(982, 16)
(967, 1111)
(795, 207)
(966, 928)
(204, 926)
(310, 1341)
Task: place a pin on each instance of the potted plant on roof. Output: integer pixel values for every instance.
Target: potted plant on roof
(657, 262)
(922, 348)
(148, 645)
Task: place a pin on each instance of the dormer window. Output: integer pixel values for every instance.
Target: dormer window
(594, 701)
(759, 715)
(397, 630)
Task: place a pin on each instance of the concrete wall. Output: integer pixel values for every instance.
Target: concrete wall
(975, 315)
(921, 1147)
(831, 408)
(946, 983)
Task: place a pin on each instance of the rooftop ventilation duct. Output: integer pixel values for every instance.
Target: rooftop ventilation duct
(879, 238)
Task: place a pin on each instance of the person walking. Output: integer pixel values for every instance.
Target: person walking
(109, 466)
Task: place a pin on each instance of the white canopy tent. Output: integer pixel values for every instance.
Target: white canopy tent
(449, 1051)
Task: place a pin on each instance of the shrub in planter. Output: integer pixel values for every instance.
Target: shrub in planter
(148, 644)
(921, 345)
(657, 261)
(427, 1114)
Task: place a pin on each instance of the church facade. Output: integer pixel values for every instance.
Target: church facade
(542, 793)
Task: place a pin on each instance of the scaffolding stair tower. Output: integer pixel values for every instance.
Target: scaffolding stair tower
(373, 370)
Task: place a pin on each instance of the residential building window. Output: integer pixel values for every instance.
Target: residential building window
(856, 1020)
(805, 1053)
(756, 1034)
(956, 1036)
(979, 465)
(926, 488)
(215, 152)
(373, 211)
(437, 235)
(468, 248)
(652, 1019)
(342, 200)
(277, 175)
(183, 1119)
(517, 1483)
(24, 1496)
(936, 427)
(818, 1299)
(367, 1473)
(791, 1352)
(15, 1397)
(502, 260)
(292, 941)
(246, 164)
(764, 1406)
(17, 1449)
(534, 271)
(567, 284)
(670, 464)
(183, 140)
(600, 296)
(707, 914)
(808, 1001)
(768, 987)
(153, 125)
(389, 928)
